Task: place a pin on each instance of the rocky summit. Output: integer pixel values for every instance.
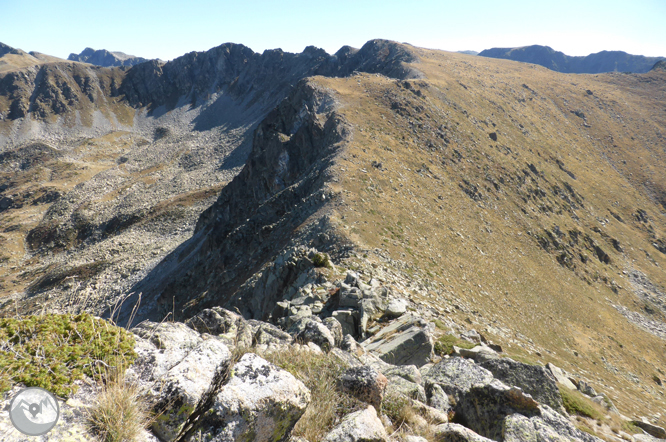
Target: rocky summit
(386, 243)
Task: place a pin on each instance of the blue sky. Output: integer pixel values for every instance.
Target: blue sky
(168, 28)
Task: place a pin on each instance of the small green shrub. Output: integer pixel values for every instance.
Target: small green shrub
(576, 403)
(444, 345)
(51, 351)
(321, 260)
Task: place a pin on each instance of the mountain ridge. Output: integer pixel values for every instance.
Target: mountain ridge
(104, 58)
(600, 62)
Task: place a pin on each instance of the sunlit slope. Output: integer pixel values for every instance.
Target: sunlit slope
(525, 197)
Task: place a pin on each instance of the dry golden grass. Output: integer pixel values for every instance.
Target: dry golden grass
(320, 374)
(120, 413)
(468, 213)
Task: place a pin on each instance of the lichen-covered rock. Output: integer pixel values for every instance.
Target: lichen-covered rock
(407, 340)
(438, 399)
(161, 346)
(456, 376)
(215, 321)
(484, 407)
(334, 326)
(396, 308)
(360, 426)
(175, 366)
(400, 386)
(176, 394)
(365, 383)
(457, 433)
(261, 402)
(309, 330)
(535, 380)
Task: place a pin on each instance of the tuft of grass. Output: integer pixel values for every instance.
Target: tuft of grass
(444, 345)
(320, 374)
(321, 260)
(120, 413)
(52, 351)
(576, 403)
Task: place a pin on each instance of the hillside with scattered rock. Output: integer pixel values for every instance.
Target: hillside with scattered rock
(477, 243)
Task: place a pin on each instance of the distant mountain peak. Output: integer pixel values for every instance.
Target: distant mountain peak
(5, 49)
(102, 57)
(604, 61)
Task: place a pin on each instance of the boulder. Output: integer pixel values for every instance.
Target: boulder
(334, 326)
(560, 377)
(349, 320)
(267, 334)
(484, 407)
(407, 340)
(161, 346)
(438, 399)
(398, 386)
(176, 395)
(480, 353)
(457, 433)
(215, 321)
(365, 383)
(471, 336)
(534, 380)
(651, 429)
(456, 376)
(586, 388)
(396, 308)
(309, 330)
(408, 372)
(361, 426)
(605, 402)
(261, 402)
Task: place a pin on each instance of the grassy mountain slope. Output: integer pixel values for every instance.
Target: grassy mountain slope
(542, 232)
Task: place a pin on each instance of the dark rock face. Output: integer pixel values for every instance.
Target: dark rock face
(102, 57)
(535, 380)
(277, 190)
(604, 61)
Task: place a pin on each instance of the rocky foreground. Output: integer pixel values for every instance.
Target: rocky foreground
(210, 378)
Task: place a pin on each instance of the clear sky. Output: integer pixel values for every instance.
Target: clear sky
(169, 28)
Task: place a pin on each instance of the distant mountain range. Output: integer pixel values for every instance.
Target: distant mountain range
(604, 61)
(102, 57)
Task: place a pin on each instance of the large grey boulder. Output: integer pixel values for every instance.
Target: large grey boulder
(534, 380)
(561, 377)
(215, 321)
(261, 402)
(159, 347)
(334, 326)
(407, 340)
(310, 330)
(456, 376)
(396, 308)
(365, 383)
(360, 426)
(176, 395)
(457, 433)
(174, 366)
(480, 353)
(484, 407)
(547, 425)
(651, 429)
